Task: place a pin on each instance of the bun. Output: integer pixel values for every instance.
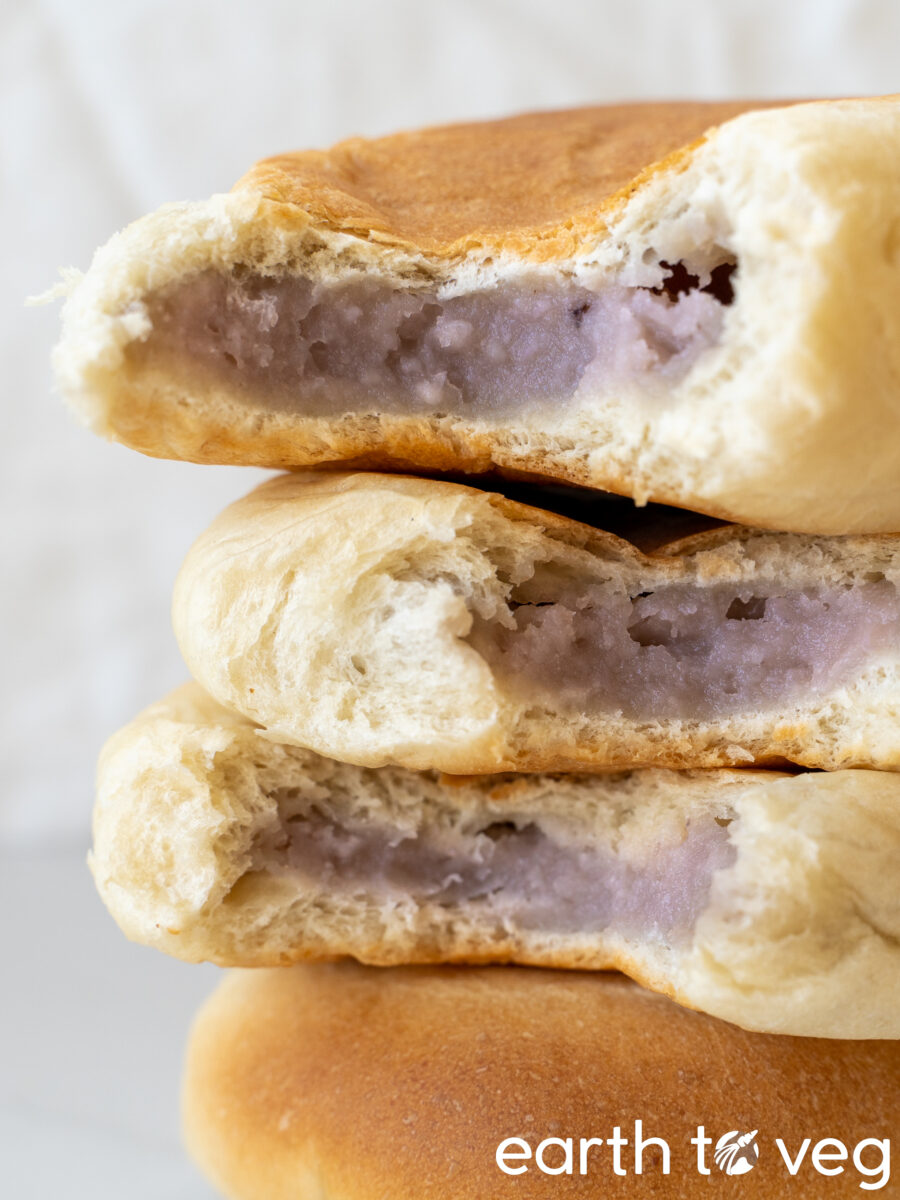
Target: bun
(357, 1084)
(764, 898)
(380, 619)
(383, 304)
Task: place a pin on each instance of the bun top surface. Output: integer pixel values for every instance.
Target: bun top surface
(536, 184)
(371, 1082)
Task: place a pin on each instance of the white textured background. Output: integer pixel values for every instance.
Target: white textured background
(107, 109)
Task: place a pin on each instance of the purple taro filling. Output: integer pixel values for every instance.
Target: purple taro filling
(513, 870)
(361, 345)
(690, 653)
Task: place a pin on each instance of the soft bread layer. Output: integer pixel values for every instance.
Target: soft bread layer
(779, 414)
(380, 619)
(767, 899)
(353, 1084)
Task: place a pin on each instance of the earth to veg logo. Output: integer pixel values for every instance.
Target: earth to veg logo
(633, 1151)
(736, 1152)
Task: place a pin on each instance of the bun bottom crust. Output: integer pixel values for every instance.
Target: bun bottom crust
(357, 1083)
(152, 413)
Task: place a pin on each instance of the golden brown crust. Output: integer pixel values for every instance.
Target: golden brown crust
(539, 185)
(349, 1083)
(756, 432)
(163, 424)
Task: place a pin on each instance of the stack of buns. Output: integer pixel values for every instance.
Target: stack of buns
(569, 639)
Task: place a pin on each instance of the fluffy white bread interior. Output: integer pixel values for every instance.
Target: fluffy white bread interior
(764, 898)
(355, 1084)
(787, 419)
(381, 619)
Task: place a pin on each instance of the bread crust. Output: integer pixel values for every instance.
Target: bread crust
(308, 577)
(539, 186)
(769, 429)
(354, 1083)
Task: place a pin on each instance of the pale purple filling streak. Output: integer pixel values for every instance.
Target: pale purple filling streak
(685, 652)
(510, 870)
(361, 345)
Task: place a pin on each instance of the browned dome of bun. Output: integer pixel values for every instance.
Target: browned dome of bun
(689, 303)
(539, 184)
(356, 1083)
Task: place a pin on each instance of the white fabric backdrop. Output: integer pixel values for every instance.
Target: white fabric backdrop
(109, 108)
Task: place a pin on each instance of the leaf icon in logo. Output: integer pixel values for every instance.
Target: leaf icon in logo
(736, 1152)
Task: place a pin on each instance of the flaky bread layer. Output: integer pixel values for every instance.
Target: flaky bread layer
(795, 931)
